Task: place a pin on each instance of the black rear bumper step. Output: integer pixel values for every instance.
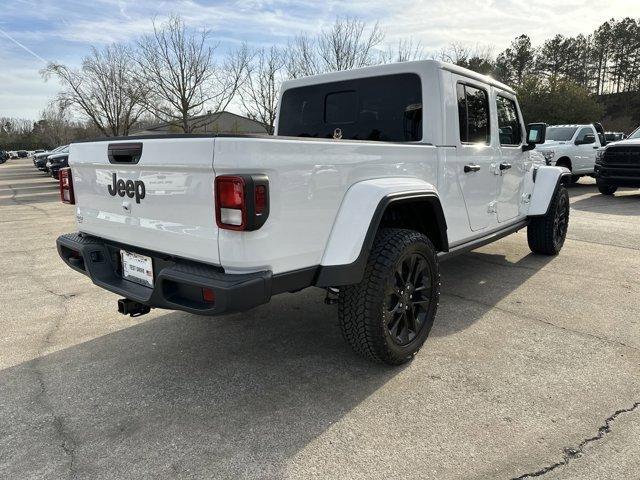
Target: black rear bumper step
(178, 283)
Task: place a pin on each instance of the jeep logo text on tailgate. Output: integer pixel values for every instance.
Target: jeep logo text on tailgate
(129, 188)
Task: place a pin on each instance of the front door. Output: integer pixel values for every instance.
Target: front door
(476, 155)
(585, 157)
(512, 167)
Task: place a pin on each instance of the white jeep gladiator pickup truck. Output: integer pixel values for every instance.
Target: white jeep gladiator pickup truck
(573, 147)
(373, 176)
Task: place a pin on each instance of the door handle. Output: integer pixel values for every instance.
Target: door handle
(595, 148)
(505, 166)
(471, 168)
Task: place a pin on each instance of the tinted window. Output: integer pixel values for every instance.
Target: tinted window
(387, 108)
(508, 122)
(473, 114)
(341, 107)
(560, 133)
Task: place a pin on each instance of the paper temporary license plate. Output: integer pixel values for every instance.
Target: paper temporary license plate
(137, 268)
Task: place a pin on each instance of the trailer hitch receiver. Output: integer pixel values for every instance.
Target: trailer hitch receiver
(132, 308)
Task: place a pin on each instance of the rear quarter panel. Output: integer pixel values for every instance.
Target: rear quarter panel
(308, 180)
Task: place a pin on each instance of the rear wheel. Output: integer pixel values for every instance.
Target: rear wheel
(607, 189)
(546, 235)
(388, 315)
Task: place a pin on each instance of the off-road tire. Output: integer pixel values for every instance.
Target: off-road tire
(363, 309)
(546, 235)
(607, 189)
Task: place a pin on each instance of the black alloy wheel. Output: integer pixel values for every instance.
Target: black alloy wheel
(408, 298)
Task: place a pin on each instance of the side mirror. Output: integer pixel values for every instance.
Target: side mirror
(587, 140)
(536, 134)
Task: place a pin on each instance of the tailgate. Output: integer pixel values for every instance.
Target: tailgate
(150, 193)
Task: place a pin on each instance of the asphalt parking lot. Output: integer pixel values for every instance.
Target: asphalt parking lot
(532, 368)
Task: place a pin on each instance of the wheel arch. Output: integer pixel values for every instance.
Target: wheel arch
(565, 161)
(547, 180)
(414, 205)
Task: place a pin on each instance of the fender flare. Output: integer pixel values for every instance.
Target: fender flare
(354, 230)
(547, 181)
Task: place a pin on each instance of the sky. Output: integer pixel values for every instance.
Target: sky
(33, 32)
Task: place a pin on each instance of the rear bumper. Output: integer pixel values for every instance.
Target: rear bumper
(178, 283)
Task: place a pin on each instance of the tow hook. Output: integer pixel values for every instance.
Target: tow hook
(132, 308)
(332, 296)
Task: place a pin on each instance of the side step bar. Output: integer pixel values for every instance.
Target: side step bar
(481, 241)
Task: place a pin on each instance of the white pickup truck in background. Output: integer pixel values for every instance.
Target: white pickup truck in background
(373, 177)
(573, 147)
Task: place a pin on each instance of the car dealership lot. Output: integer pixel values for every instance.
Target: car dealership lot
(529, 357)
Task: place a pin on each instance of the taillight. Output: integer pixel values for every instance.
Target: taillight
(231, 208)
(242, 201)
(66, 186)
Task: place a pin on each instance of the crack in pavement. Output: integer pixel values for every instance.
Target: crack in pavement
(15, 200)
(603, 244)
(65, 296)
(66, 442)
(571, 453)
(539, 320)
(534, 269)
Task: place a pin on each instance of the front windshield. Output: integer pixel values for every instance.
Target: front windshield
(562, 134)
(636, 133)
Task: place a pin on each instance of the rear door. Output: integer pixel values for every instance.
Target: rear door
(513, 161)
(155, 194)
(476, 152)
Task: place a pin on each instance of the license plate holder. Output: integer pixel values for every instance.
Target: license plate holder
(137, 268)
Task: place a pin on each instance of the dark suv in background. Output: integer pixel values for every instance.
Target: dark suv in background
(57, 161)
(40, 160)
(618, 165)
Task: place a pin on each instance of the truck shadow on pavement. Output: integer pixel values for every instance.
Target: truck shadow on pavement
(235, 396)
(224, 397)
(475, 282)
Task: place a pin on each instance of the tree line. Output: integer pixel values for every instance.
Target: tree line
(176, 73)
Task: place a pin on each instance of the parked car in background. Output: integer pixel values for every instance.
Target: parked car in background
(40, 160)
(22, 154)
(614, 136)
(57, 161)
(618, 164)
(573, 147)
(13, 154)
(4, 156)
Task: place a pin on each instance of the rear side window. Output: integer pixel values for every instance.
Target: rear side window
(473, 114)
(508, 122)
(386, 108)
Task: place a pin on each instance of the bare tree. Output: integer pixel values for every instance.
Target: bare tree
(177, 64)
(55, 125)
(259, 92)
(477, 58)
(302, 57)
(103, 89)
(349, 43)
(406, 50)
